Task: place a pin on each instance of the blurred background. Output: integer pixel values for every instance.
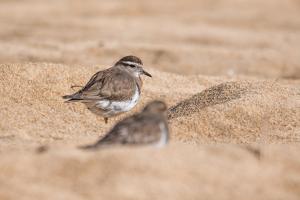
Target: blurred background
(210, 37)
(237, 137)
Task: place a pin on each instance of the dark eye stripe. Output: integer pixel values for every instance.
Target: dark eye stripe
(131, 65)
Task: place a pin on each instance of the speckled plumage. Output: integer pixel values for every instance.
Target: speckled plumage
(112, 91)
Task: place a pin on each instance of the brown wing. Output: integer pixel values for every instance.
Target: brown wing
(90, 87)
(95, 79)
(108, 84)
(120, 86)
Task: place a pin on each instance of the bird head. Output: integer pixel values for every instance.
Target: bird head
(133, 65)
(156, 107)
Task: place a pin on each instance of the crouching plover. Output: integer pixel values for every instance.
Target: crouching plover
(148, 127)
(113, 91)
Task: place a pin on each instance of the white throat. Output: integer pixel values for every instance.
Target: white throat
(137, 74)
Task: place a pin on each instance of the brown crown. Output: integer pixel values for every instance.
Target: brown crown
(133, 59)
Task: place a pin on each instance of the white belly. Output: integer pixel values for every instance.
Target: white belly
(115, 107)
(164, 136)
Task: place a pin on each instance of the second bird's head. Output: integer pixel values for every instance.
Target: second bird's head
(133, 65)
(157, 107)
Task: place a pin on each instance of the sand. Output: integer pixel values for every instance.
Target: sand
(228, 70)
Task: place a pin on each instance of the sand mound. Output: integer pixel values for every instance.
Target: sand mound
(240, 112)
(219, 94)
(33, 114)
(235, 112)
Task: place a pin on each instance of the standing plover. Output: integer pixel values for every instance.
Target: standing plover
(113, 91)
(148, 127)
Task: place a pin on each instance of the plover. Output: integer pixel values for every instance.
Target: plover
(113, 91)
(148, 127)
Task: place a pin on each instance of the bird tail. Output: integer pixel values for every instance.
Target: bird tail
(92, 147)
(87, 147)
(79, 97)
(67, 96)
(102, 143)
(72, 97)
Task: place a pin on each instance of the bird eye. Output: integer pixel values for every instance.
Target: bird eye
(132, 66)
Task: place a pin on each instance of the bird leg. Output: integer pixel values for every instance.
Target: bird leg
(105, 120)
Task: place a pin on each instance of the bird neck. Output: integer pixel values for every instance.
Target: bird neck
(139, 83)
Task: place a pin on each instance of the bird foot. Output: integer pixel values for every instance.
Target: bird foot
(105, 120)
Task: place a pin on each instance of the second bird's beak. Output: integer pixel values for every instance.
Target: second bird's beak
(146, 73)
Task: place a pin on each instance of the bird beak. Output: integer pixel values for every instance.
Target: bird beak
(146, 73)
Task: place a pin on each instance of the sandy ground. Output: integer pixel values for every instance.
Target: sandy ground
(228, 70)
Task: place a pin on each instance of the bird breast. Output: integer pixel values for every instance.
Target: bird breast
(120, 106)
